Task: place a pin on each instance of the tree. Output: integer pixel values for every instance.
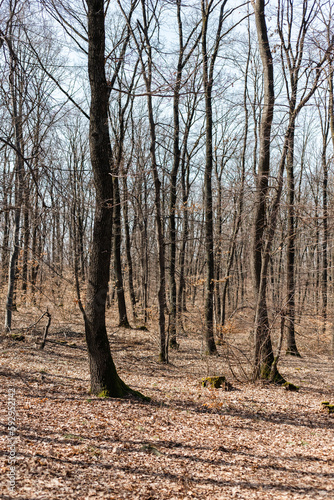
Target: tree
(143, 42)
(16, 95)
(263, 356)
(208, 75)
(104, 377)
(292, 58)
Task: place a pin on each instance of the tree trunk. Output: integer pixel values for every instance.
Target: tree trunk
(128, 245)
(103, 374)
(19, 175)
(291, 242)
(117, 236)
(208, 69)
(147, 74)
(263, 355)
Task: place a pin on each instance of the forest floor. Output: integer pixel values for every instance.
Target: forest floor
(189, 442)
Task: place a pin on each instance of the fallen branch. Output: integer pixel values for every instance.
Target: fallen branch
(47, 326)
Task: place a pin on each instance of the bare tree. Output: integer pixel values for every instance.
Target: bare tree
(104, 377)
(263, 347)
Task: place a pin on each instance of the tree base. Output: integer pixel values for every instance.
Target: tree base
(271, 374)
(212, 352)
(173, 344)
(162, 358)
(293, 352)
(121, 390)
(124, 324)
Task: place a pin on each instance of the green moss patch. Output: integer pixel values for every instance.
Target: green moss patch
(288, 386)
(17, 337)
(214, 382)
(104, 394)
(327, 406)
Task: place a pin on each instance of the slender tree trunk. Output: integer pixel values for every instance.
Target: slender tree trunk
(19, 175)
(324, 280)
(26, 240)
(208, 69)
(263, 355)
(173, 189)
(331, 111)
(128, 245)
(291, 250)
(117, 242)
(147, 74)
(6, 227)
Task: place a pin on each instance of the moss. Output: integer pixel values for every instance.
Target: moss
(265, 371)
(277, 378)
(17, 337)
(214, 382)
(271, 373)
(288, 386)
(162, 359)
(327, 406)
(104, 394)
(119, 390)
(221, 341)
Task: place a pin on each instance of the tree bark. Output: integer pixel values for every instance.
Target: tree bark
(19, 179)
(173, 190)
(208, 69)
(103, 374)
(263, 355)
(291, 251)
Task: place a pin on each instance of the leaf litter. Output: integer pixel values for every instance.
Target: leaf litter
(256, 441)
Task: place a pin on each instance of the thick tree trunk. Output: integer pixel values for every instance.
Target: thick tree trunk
(104, 378)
